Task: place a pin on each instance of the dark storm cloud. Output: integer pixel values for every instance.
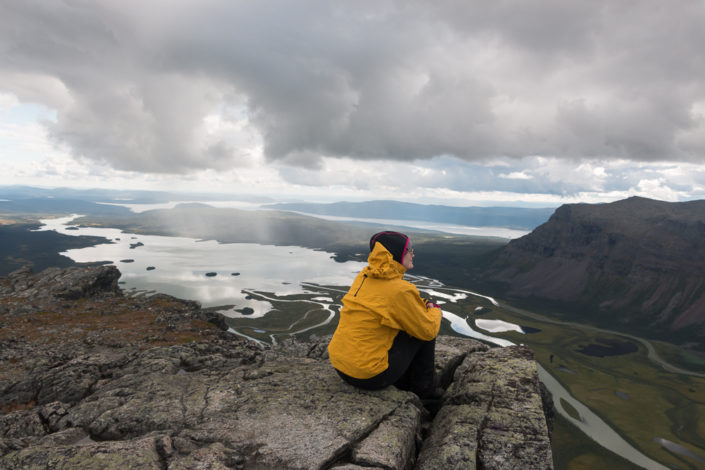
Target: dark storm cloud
(368, 80)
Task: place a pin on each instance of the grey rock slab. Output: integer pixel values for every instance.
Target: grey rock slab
(283, 412)
(450, 353)
(305, 420)
(214, 456)
(495, 400)
(393, 443)
(62, 283)
(34, 422)
(453, 439)
(351, 466)
(137, 454)
(22, 423)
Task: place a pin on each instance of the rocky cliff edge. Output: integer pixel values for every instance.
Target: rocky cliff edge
(93, 379)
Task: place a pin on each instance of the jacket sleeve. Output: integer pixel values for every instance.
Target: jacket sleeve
(408, 312)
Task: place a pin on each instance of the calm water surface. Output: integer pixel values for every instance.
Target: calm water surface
(180, 266)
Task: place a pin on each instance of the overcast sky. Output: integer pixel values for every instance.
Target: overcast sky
(462, 102)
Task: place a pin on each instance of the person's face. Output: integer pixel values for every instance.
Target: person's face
(408, 261)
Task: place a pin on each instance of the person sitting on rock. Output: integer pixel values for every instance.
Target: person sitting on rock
(387, 333)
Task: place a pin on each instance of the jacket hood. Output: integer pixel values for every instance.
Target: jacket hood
(382, 264)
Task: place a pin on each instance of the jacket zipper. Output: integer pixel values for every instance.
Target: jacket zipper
(363, 281)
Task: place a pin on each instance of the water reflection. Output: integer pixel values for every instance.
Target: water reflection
(678, 449)
(457, 323)
(497, 326)
(460, 325)
(254, 308)
(180, 265)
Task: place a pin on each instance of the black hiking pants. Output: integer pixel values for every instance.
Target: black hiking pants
(411, 367)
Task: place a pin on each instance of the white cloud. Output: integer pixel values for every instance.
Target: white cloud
(516, 175)
(656, 189)
(8, 101)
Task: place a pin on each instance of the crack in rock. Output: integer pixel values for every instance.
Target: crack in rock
(392, 444)
(349, 450)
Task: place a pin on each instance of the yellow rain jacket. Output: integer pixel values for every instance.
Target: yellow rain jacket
(378, 305)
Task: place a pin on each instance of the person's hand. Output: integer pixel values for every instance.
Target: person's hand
(430, 304)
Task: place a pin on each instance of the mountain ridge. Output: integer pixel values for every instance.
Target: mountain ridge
(510, 217)
(632, 261)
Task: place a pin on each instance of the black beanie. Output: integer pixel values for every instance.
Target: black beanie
(396, 243)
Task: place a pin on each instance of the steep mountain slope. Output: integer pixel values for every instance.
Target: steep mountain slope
(636, 261)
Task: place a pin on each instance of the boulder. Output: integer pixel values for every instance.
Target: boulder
(492, 417)
(73, 283)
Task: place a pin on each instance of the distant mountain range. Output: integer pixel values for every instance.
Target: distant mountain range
(31, 200)
(636, 262)
(510, 217)
(53, 206)
(229, 225)
(128, 196)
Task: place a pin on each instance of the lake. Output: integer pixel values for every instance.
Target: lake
(181, 264)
